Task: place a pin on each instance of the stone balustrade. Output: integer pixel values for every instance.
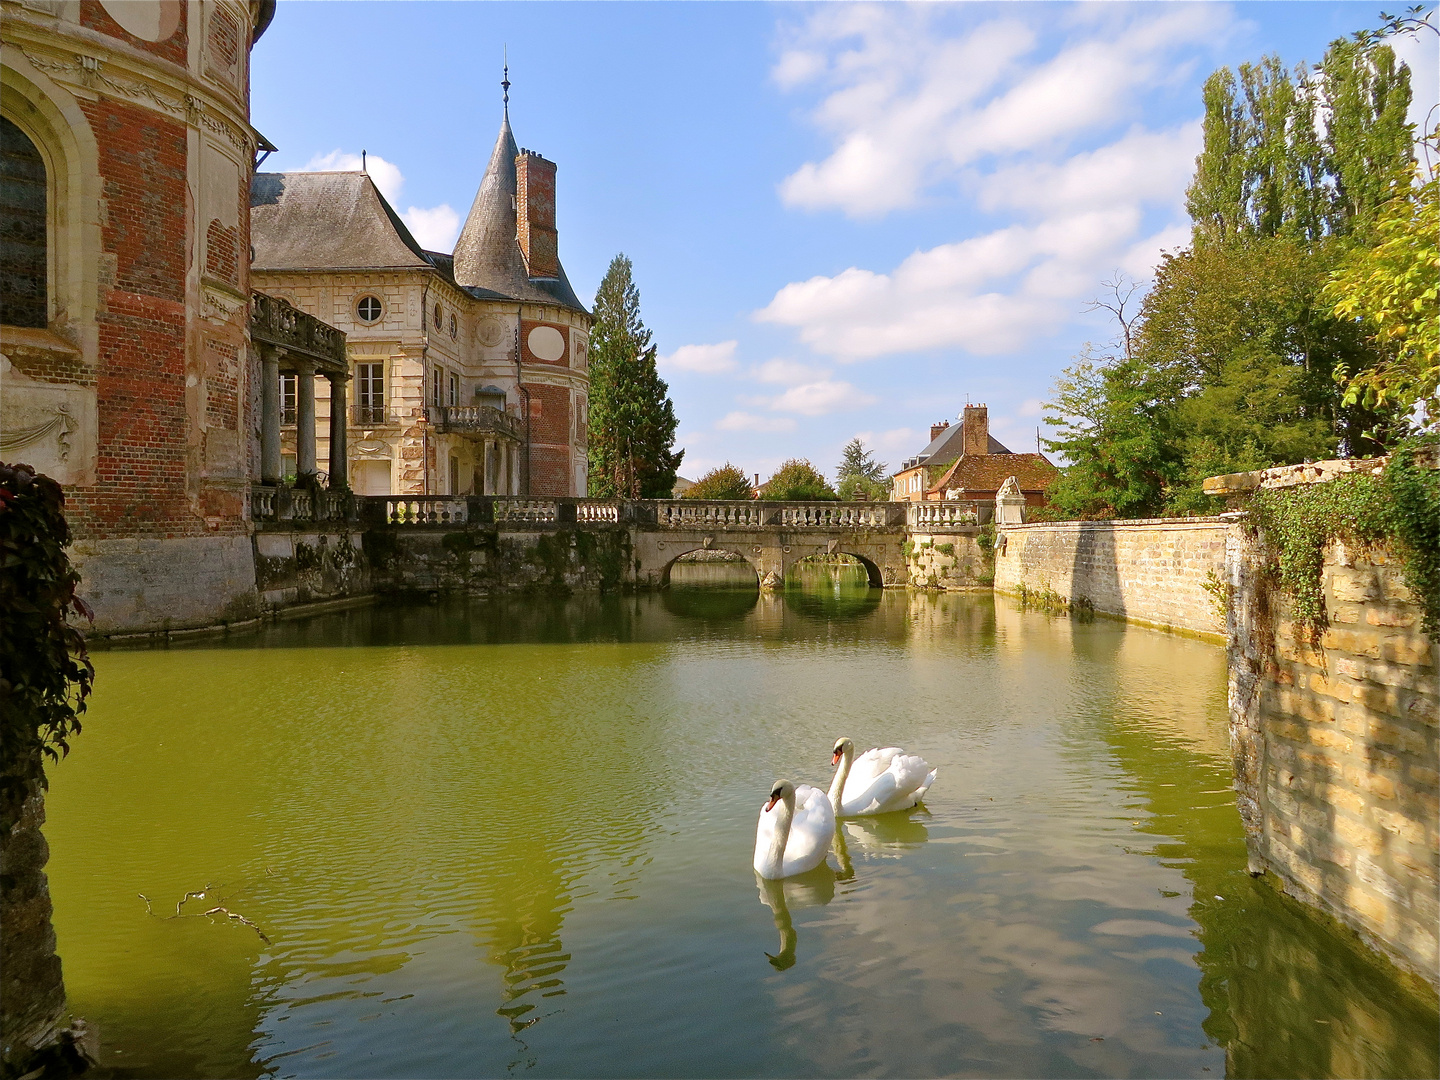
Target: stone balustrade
(474, 418)
(596, 511)
(434, 510)
(271, 504)
(540, 511)
(938, 516)
(694, 513)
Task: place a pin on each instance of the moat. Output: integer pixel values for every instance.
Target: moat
(514, 836)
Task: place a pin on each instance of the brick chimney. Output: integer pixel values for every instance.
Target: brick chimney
(975, 431)
(535, 214)
(936, 429)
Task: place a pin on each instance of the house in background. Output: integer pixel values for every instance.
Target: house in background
(965, 462)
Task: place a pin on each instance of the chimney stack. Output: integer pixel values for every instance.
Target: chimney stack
(535, 214)
(975, 431)
(936, 429)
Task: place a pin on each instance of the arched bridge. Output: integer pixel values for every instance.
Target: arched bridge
(771, 536)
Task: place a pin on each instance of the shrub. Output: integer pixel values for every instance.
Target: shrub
(798, 480)
(726, 482)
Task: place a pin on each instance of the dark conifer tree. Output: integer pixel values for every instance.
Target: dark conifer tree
(632, 420)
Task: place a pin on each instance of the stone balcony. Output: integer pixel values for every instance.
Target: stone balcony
(474, 420)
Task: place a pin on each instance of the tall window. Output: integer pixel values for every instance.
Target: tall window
(23, 243)
(288, 390)
(454, 389)
(437, 388)
(369, 393)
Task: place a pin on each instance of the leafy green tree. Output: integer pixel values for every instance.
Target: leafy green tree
(1266, 169)
(1393, 291)
(858, 471)
(797, 480)
(632, 420)
(726, 482)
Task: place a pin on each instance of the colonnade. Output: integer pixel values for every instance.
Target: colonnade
(499, 472)
(273, 360)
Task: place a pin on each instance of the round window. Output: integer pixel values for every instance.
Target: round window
(368, 308)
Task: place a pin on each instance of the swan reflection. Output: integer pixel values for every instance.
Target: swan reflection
(815, 888)
(885, 836)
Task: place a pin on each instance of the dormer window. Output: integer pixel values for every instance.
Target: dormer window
(369, 309)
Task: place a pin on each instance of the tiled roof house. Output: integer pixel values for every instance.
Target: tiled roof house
(964, 461)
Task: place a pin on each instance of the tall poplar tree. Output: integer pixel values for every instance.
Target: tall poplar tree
(632, 420)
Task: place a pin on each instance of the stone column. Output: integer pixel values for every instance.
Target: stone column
(487, 466)
(339, 449)
(514, 469)
(270, 414)
(304, 418)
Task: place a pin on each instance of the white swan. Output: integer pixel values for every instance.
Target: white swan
(797, 837)
(878, 781)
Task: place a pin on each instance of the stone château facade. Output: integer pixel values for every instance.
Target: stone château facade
(468, 371)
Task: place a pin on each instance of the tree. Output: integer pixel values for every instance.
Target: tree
(1390, 290)
(858, 471)
(1267, 170)
(726, 482)
(797, 480)
(632, 420)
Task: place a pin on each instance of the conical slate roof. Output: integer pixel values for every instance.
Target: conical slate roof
(487, 255)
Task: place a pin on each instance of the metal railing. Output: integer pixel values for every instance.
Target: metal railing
(369, 414)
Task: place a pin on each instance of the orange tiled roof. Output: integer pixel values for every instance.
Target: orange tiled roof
(987, 472)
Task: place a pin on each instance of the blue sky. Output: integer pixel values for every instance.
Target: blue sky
(845, 219)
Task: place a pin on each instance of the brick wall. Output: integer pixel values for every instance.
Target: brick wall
(1336, 748)
(1152, 572)
(549, 440)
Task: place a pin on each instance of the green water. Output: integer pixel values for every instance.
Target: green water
(515, 836)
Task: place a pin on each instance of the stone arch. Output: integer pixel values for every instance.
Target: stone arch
(665, 572)
(52, 119)
(872, 570)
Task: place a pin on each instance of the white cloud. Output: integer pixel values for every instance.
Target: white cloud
(742, 421)
(910, 105)
(788, 372)
(822, 398)
(435, 227)
(702, 359)
(895, 441)
(1077, 218)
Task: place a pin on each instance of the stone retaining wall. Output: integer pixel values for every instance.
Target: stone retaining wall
(1161, 572)
(142, 585)
(1336, 748)
(948, 560)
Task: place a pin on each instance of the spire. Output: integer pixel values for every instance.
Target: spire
(505, 84)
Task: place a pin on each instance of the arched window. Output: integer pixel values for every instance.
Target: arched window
(23, 241)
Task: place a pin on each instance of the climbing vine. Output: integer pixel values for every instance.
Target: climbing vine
(1399, 508)
(45, 672)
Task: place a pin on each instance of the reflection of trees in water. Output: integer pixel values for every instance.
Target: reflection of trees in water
(1288, 993)
(710, 604)
(826, 591)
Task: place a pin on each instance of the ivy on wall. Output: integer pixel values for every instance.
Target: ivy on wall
(1398, 509)
(45, 672)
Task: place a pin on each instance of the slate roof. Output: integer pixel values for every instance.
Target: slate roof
(487, 255)
(341, 221)
(327, 221)
(987, 472)
(948, 444)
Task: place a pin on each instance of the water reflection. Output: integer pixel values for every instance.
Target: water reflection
(828, 593)
(815, 888)
(517, 833)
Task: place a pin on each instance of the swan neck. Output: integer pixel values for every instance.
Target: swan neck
(775, 860)
(842, 773)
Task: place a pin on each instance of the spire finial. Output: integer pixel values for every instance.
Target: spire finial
(505, 82)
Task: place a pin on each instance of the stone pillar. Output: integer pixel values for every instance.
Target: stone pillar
(1009, 503)
(339, 449)
(487, 468)
(304, 418)
(270, 414)
(514, 469)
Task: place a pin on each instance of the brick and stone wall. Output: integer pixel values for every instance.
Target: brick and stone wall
(1160, 572)
(1334, 734)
